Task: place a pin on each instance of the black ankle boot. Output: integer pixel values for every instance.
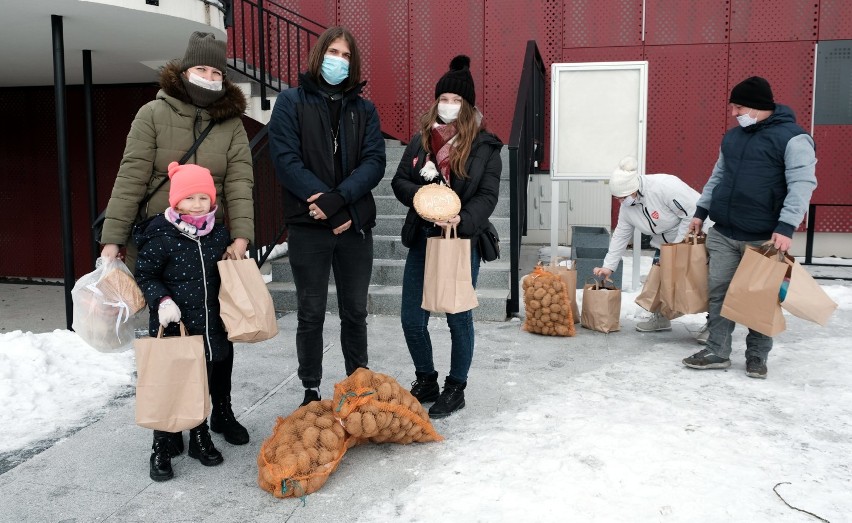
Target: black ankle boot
(450, 400)
(201, 446)
(161, 460)
(425, 388)
(175, 442)
(310, 395)
(223, 421)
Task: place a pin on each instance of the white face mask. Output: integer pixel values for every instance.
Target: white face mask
(448, 112)
(628, 201)
(212, 85)
(746, 119)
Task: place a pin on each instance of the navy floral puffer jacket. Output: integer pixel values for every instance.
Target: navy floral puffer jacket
(172, 263)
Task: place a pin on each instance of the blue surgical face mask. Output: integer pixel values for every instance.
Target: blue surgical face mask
(334, 69)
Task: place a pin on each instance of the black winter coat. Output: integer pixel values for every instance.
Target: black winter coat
(478, 192)
(300, 142)
(175, 264)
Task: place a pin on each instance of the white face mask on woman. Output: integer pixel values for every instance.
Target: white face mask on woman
(448, 112)
(212, 85)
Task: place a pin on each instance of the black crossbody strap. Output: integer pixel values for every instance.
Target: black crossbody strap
(182, 161)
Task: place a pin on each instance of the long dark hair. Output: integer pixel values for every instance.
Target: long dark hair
(321, 46)
(468, 128)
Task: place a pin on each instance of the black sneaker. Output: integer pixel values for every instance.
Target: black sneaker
(450, 400)
(755, 367)
(425, 388)
(310, 395)
(705, 359)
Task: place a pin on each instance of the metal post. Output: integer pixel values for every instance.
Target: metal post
(261, 55)
(90, 146)
(514, 305)
(62, 155)
(809, 239)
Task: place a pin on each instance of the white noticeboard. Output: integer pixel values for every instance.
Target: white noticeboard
(598, 116)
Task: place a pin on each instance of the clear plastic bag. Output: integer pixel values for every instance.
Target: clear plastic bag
(102, 309)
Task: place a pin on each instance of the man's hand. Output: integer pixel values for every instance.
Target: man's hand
(602, 272)
(313, 209)
(782, 243)
(695, 226)
(343, 228)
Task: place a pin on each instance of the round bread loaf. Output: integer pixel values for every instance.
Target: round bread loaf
(436, 202)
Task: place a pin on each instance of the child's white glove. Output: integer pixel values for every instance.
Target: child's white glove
(168, 312)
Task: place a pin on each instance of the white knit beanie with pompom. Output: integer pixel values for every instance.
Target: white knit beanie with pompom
(625, 180)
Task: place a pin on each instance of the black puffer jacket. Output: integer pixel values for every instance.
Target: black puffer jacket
(478, 192)
(175, 264)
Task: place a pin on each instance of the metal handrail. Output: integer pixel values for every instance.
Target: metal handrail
(269, 226)
(274, 48)
(526, 152)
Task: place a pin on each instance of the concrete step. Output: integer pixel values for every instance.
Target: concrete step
(493, 275)
(390, 224)
(386, 300)
(386, 205)
(390, 247)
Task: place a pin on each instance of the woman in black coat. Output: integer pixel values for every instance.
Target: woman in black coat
(454, 148)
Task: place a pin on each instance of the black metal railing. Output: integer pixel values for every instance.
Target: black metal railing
(526, 151)
(274, 46)
(269, 227)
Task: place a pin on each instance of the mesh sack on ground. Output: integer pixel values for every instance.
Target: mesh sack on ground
(304, 449)
(547, 307)
(375, 406)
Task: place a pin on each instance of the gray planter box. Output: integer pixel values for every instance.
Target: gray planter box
(589, 246)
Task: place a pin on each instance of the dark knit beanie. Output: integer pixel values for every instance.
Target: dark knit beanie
(753, 93)
(457, 80)
(204, 49)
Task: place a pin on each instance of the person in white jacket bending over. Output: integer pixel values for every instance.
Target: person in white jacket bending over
(659, 205)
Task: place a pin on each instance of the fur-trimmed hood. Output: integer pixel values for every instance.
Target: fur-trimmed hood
(231, 105)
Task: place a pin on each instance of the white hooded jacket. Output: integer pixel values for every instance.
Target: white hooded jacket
(664, 207)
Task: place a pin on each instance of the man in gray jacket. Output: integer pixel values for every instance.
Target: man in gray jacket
(759, 190)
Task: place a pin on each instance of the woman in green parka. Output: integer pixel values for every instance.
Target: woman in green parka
(193, 93)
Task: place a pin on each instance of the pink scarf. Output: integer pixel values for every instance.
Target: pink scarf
(443, 136)
(192, 225)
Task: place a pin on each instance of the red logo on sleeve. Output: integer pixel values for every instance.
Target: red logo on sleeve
(655, 215)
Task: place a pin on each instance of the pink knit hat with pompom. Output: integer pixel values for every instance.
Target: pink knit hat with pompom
(189, 179)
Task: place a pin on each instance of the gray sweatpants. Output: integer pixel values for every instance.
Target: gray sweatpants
(725, 255)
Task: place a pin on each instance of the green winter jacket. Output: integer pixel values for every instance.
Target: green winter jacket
(161, 133)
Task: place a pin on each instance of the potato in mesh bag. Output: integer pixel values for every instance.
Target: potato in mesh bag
(304, 449)
(375, 406)
(547, 307)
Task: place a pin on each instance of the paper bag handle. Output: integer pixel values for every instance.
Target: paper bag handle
(182, 330)
(448, 232)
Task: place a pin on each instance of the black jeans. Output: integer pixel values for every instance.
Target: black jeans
(314, 252)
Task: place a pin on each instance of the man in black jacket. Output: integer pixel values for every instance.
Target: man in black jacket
(329, 153)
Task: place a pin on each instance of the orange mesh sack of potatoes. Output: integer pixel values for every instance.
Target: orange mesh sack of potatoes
(303, 451)
(547, 306)
(374, 406)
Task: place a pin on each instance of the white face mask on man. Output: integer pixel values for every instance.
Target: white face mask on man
(628, 201)
(448, 112)
(212, 85)
(746, 119)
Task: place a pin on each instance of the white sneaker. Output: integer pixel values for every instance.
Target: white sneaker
(654, 323)
(703, 334)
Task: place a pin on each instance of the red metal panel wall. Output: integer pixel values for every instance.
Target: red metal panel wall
(774, 20)
(670, 22)
(687, 109)
(833, 143)
(506, 36)
(383, 42)
(439, 30)
(835, 20)
(602, 23)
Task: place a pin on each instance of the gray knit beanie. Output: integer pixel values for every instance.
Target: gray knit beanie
(204, 49)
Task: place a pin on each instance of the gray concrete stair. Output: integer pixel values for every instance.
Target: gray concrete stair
(389, 255)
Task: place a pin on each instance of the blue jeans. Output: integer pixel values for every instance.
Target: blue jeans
(725, 255)
(415, 320)
(314, 252)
